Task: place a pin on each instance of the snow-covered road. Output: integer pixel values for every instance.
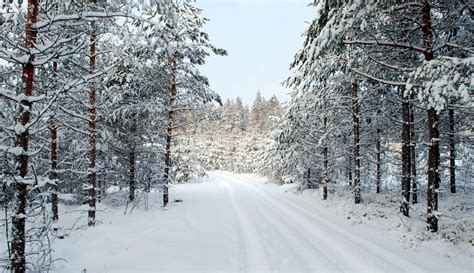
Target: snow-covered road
(231, 223)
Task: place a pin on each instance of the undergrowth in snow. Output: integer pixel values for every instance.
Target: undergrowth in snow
(382, 211)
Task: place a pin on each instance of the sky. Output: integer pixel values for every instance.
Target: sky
(261, 37)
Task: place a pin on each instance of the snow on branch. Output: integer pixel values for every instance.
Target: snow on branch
(384, 43)
(387, 64)
(443, 80)
(19, 98)
(86, 16)
(456, 46)
(370, 77)
(74, 114)
(75, 129)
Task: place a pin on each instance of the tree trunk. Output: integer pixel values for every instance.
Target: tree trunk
(433, 175)
(406, 154)
(54, 167)
(349, 170)
(379, 161)
(131, 196)
(54, 161)
(172, 99)
(356, 121)
(18, 260)
(452, 152)
(433, 152)
(310, 185)
(326, 166)
(100, 182)
(413, 153)
(91, 188)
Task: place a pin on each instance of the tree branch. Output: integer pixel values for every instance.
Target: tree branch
(384, 43)
(370, 77)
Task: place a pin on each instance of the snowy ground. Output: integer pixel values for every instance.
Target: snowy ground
(237, 223)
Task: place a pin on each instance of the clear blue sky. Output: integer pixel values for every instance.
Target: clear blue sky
(261, 37)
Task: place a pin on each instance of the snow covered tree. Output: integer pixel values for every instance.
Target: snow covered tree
(44, 45)
(257, 114)
(186, 47)
(434, 19)
(380, 64)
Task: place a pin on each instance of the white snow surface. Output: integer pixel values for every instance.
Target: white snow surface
(239, 223)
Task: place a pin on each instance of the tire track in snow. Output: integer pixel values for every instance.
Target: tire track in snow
(284, 230)
(252, 252)
(319, 245)
(367, 251)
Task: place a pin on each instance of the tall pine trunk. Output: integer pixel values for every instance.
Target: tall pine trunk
(413, 153)
(452, 152)
(349, 168)
(131, 160)
(18, 244)
(172, 98)
(433, 175)
(356, 121)
(326, 164)
(433, 152)
(54, 168)
(308, 179)
(406, 154)
(91, 188)
(54, 161)
(378, 178)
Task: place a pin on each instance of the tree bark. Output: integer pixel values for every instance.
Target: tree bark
(131, 196)
(100, 186)
(54, 167)
(433, 152)
(91, 188)
(433, 175)
(54, 161)
(308, 179)
(356, 122)
(406, 154)
(413, 153)
(18, 259)
(326, 165)
(172, 98)
(349, 170)
(378, 151)
(452, 152)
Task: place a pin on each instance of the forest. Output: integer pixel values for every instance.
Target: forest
(105, 109)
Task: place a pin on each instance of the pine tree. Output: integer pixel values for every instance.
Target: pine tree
(419, 42)
(20, 186)
(187, 46)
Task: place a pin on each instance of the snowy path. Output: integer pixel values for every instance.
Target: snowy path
(233, 224)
